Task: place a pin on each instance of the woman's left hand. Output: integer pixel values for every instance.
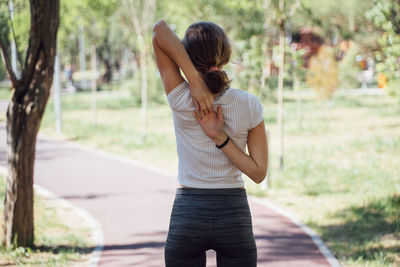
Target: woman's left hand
(211, 122)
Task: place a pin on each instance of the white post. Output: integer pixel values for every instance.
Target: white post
(56, 95)
(280, 84)
(82, 59)
(93, 66)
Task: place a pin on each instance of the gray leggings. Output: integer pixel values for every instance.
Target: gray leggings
(204, 219)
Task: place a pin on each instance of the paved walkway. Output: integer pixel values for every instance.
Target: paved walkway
(3, 105)
(133, 205)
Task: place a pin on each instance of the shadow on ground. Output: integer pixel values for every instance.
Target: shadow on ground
(363, 226)
(59, 249)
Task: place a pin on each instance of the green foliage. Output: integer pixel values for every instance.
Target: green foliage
(251, 25)
(3, 72)
(251, 62)
(394, 89)
(322, 74)
(294, 68)
(337, 19)
(348, 68)
(19, 26)
(98, 20)
(386, 16)
(5, 24)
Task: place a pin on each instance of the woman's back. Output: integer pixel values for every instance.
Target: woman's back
(213, 212)
(201, 164)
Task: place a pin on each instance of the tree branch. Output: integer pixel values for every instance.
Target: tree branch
(13, 77)
(294, 8)
(13, 33)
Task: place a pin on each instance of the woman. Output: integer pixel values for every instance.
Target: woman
(210, 209)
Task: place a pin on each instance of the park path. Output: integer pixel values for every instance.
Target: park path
(133, 204)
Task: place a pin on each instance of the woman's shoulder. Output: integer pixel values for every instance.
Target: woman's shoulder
(239, 95)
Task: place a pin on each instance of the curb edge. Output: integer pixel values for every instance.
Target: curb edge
(91, 221)
(311, 233)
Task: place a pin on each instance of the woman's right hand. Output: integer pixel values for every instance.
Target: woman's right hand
(201, 94)
(212, 124)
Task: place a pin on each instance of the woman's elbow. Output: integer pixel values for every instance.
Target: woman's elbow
(259, 176)
(158, 25)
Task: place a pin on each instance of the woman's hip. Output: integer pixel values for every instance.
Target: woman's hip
(211, 203)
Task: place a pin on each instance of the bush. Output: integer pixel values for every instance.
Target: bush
(348, 68)
(323, 75)
(394, 89)
(3, 72)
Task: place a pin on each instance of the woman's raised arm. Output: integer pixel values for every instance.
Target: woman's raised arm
(170, 56)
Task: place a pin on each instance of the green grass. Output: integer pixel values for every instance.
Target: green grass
(119, 128)
(341, 173)
(60, 237)
(5, 92)
(342, 176)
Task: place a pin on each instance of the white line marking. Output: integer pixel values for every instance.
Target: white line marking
(311, 233)
(98, 235)
(112, 156)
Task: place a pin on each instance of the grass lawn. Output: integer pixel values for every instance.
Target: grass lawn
(60, 237)
(341, 168)
(342, 176)
(5, 92)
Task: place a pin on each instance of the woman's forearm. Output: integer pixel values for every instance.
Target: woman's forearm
(242, 161)
(168, 42)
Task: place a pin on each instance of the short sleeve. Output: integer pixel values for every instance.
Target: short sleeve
(256, 111)
(175, 97)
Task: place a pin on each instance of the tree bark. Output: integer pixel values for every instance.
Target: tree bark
(104, 53)
(25, 111)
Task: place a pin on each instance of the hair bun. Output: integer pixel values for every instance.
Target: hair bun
(217, 81)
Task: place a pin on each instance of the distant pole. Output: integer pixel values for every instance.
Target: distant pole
(57, 101)
(280, 80)
(82, 59)
(93, 63)
(14, 65)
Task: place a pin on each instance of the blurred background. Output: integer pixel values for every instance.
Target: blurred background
(326, 72)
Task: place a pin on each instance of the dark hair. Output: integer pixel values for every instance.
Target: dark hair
(208, 46)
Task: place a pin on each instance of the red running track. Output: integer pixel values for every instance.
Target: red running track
(133, 205)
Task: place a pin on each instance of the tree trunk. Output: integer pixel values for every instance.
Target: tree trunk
(104, 53)
(107, 76)
(266, 70)
(24, 114)
(93, 63)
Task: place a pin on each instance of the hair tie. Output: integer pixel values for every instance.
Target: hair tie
(214, 68)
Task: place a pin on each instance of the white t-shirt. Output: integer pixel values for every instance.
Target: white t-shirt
(201, 164)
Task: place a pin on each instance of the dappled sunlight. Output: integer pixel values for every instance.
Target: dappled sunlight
(326, 74)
